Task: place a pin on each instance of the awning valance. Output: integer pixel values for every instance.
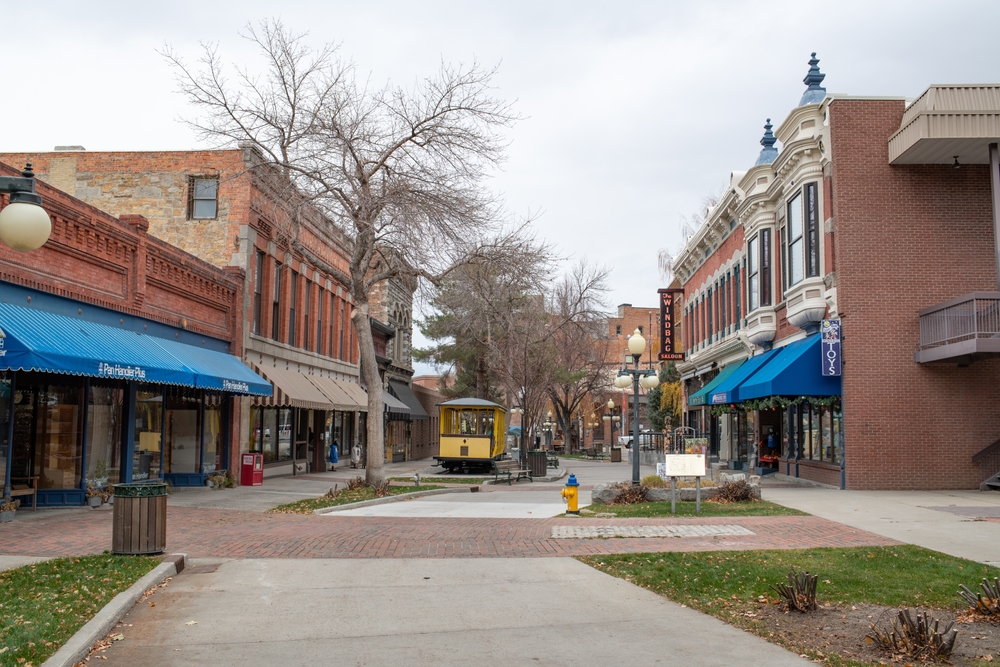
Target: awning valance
(794, 371)
(406, 395)
(728, 390)
(331, 389)
(35, 340)
(393, 404)
(700, 397)
(294, 389)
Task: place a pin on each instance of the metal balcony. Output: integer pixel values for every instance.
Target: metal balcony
(960, 331)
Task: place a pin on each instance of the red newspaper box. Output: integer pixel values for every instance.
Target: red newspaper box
(251, 469)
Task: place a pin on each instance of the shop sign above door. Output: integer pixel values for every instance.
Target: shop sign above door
(830, 348)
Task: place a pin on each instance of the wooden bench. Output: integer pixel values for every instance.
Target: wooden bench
(25, 486)
(592, 454)
(509, 467)
(551, 460)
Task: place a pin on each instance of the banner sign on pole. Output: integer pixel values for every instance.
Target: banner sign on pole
(668, 297)
(830, 348)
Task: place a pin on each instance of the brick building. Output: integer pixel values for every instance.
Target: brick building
(876, 214)
(119, 357)
(294, 321)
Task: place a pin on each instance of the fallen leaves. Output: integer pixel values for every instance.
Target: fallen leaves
(191, 623)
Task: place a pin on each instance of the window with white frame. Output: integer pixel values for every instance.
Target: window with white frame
(803, 235)
(796, 242)
(753, 276)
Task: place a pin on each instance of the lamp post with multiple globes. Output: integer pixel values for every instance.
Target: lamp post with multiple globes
(648, 379)
(612, 422)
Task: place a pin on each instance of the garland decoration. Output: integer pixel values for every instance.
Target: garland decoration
(830, 403)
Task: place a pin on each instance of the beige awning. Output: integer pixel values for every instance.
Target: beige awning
(947, 123)
(335, 391)
(358, 395)
(293, 389)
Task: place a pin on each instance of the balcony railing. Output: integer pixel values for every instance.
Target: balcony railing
(961, 330)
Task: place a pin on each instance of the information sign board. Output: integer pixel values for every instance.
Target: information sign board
(681, 465)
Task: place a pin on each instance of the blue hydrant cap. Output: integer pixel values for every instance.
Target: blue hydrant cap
(572, 481)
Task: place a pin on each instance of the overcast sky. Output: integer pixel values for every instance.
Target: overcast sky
(633, 111)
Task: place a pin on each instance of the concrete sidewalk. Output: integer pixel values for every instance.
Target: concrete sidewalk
(553, 611)
(959, 523)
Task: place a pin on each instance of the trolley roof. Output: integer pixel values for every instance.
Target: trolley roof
(471, 403)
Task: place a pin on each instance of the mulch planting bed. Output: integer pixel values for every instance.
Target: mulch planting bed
(842, 630)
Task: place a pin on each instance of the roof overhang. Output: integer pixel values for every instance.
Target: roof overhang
(948, 121)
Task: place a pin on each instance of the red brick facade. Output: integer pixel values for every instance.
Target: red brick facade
(907, 237)
(95, 258)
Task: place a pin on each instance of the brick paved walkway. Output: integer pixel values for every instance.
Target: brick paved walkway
(204, 533)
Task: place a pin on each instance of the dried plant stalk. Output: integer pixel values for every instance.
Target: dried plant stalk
(919, 637)
(799, 592)
(986, 603)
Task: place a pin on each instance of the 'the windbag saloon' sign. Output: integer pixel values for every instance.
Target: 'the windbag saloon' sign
(667, 339)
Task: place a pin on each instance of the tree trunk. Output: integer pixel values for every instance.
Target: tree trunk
(480, 376)
(375, 449)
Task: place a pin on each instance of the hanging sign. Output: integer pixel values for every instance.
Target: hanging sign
(830, 348)
(668, 297)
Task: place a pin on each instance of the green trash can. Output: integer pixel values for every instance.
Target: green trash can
(538, 462)
(140, 518)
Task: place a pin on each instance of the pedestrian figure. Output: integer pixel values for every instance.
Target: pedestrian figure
(334, 454)
(356, 456)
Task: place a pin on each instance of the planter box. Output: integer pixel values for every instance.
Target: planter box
(6, 517)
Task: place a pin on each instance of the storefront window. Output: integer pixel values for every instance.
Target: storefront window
(284, 441)
(146, 457)
(183, 433)
(838, 437)
(4, 418)
(212, 459)
(57, 441)
(826, 433)
(812, 437)
(105, 421)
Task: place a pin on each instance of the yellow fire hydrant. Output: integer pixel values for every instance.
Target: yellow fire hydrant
(571, 495)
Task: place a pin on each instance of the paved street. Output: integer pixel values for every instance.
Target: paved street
(554, 611)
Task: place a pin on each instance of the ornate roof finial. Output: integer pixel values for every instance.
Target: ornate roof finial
(769, 153)
(814, 92)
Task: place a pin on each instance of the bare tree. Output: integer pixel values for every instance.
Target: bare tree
(400, 171)
(579, 345)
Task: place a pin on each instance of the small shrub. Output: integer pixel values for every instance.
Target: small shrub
(986, 603)
(653, 482)
(356, 483)
(229, 481)
(920, 638)
(10, 505)
(799, 592)
(738, 491)
(381, 489)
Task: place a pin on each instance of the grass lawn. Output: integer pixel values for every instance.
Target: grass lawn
(759, 508)
(442, 480)
(733, 585)
(345, 497)
(44, 604)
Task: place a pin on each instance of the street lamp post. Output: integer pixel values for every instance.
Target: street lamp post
(521, 454)
(636, 376)
(612, 421)
(24, 224)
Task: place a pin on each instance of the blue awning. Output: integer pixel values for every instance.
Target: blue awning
(794, 371)
(34, 340)
(728, 391)
(216, 370)
(700, 397)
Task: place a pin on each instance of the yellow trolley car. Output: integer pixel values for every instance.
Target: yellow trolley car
(472, 434)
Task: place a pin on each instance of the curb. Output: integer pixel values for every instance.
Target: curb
(78, 646)
(387, 499)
